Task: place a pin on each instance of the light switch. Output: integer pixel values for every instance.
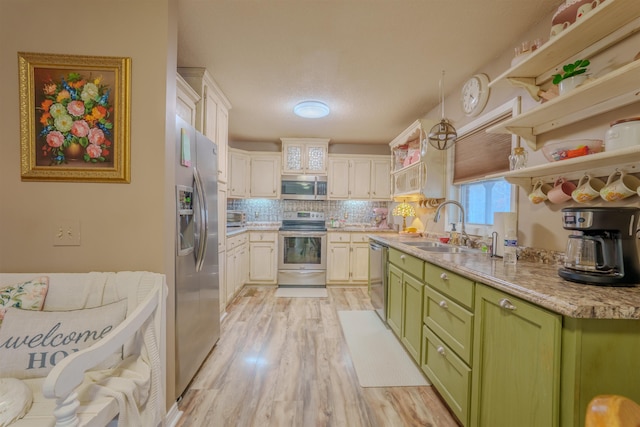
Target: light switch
(66, 232)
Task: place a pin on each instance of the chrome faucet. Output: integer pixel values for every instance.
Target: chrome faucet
(465, 236)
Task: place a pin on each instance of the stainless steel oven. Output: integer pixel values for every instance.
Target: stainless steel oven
(302, 250)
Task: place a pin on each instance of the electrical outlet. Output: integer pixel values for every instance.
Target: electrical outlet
(66, 233)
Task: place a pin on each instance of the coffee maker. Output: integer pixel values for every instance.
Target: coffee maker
(604, 248)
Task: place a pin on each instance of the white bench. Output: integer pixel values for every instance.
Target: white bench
(71, 395)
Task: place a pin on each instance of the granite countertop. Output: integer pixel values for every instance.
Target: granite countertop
(254, 226)
(362, 228)
(534, 282)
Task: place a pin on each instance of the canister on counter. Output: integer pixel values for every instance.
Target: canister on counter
(623, 133)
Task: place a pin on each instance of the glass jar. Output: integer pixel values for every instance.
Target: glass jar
(518, 159)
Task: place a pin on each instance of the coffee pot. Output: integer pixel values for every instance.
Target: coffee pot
(604, 247)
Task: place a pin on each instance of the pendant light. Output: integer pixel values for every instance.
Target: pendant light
(443, 135)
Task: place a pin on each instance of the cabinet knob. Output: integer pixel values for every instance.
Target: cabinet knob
(444, 276)
(443, 304)
(506, 304)
(402, 257)
(440, 350)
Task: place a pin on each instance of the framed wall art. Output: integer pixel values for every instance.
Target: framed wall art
(74, 117)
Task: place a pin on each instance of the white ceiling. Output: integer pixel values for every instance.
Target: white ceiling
(376, 63)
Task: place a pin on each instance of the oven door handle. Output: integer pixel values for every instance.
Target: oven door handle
(303, 233)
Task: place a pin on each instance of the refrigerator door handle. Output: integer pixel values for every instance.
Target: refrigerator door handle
(204, 218)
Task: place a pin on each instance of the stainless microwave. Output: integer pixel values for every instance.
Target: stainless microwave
(236, 219)
(303, 187)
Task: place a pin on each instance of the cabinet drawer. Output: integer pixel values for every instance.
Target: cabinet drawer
(450, 284)
(359, 238)
(339, 237)
(235, 241)
(448, 373)
(408, 263)
(450, 321)
(262, 236)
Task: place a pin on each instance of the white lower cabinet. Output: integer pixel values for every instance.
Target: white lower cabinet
(263, 250)
(237, 264)
(347, 258)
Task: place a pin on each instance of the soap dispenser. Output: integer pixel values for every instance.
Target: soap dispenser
(453, 235)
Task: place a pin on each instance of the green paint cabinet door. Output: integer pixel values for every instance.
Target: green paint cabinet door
(412, 315)
(516, 370)
(394, 302)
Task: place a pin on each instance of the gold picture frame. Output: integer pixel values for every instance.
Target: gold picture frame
(74, 117)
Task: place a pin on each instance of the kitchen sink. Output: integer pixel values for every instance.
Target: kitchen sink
(423, 244)
(438, 247)
(445, 249)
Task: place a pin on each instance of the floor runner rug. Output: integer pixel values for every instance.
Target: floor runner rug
(378, 356)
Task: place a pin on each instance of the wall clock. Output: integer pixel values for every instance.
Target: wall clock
(475, 94)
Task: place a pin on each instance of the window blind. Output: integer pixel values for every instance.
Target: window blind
(478, 153)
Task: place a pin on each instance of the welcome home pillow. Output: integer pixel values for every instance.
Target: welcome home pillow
(32, 342)
(27, 295)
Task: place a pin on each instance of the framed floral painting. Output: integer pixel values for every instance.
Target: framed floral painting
(74, 117)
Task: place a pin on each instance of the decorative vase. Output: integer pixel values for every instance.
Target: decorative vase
(74, 152)
(570, 83)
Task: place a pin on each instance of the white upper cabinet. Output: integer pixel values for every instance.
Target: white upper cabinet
(186, 101)
(265, 175)
(304, 156)
(415, 176)
(211, 113)
(359, 177)
(238, 174)
(381, 179)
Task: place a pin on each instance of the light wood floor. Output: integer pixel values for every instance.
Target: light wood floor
(284, 362)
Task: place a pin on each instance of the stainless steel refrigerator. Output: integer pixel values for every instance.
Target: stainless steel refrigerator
(197, 271)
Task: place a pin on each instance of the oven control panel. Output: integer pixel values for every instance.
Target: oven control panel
(303, 216)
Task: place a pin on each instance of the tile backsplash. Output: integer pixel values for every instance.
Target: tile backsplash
(352, 211)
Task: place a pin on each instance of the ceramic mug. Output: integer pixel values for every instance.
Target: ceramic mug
(621, 188)
(585, 8)
(561, 191)
(558, 28)
(587, 190)
(539, 192)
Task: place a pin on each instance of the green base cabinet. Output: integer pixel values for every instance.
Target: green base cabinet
(516, 362)
(394, 300)
(405, 298)
(448, 373)
(599, 356)
(412, 315)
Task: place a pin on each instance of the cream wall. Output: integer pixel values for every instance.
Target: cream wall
(123, 226)
(540, 225)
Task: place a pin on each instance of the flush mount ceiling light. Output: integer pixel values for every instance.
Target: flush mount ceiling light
(311, 109)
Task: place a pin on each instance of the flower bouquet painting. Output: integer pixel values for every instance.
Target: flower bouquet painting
(74, 117)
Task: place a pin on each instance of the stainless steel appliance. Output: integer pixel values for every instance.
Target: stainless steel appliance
(604, 248)
(197, 302)
(303, 250)
(236, 219)
(378, 289)
(303, 187)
